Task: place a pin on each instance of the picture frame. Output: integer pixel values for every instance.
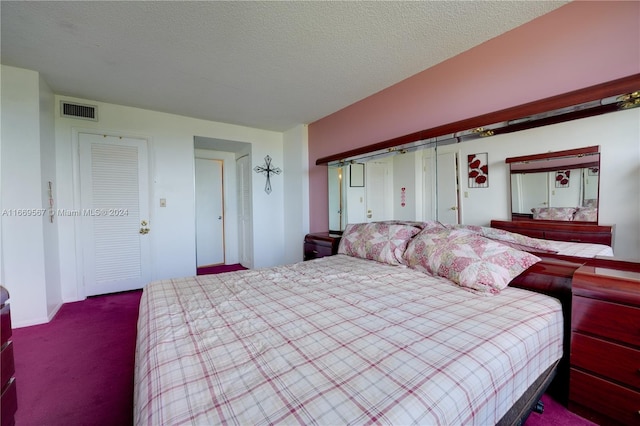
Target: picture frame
(563, 178)
(478, 170)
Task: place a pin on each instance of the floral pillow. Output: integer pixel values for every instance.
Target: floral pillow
(472, 261)
(553, 213)
(586, 214)
(512, 239)
(415, 254)
(380, 241)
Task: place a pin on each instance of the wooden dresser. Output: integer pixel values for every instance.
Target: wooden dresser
(605, 343)
(320, 244)
(8, 399)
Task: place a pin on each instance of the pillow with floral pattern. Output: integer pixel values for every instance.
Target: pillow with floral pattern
(586, 214)
(380, 241)
(472, 261)
(553, 213)
(415, 254)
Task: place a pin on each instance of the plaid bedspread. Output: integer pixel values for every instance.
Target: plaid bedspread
(334, 341)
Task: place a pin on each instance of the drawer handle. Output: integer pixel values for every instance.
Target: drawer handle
(315, 252)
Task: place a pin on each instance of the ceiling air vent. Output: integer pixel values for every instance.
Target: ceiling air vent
(83, 112)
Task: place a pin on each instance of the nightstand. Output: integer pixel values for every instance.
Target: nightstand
(8, 398)
(605, 343)
(320, 244)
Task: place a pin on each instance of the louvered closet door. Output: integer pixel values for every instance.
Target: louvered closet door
(115, 213)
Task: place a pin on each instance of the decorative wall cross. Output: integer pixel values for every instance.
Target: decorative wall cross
(267, 170)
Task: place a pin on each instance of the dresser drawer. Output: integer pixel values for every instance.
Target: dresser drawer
(6, 363)
(606, 319)
(9, 403)
(595, 394)
(596, 356)
(320, 245)
(315, 250)
(5, 324)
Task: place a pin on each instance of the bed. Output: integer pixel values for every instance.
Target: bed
(377, 334)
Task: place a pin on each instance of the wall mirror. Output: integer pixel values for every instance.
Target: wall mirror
(561, 186)
(394, 184)
(572, 186)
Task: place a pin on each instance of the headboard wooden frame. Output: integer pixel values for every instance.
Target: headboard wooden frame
(579, 232)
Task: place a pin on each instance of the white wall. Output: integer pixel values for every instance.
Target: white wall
(172, 177)
(295, 175)
(617, 134)
(48, 169)
(29, 248)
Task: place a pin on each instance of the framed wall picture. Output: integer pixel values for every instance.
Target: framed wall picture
(356, 175)
(478, 170)
(563, 178)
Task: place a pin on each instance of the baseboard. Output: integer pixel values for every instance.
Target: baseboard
(29, 323)
(36, 321)
(55, 310)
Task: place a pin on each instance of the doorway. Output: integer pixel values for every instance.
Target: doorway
(235, 218)
(114, 214)
(440, 187)
(447, 188)
(209, 183)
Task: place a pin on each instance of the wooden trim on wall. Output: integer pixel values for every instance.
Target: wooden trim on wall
(588, 94)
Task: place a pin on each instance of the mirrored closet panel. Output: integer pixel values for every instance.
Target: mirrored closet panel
(414, 183)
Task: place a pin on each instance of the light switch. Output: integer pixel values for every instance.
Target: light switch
(163, 202)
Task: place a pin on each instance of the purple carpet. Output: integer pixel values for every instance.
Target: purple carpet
(78, 369)
(218, 269)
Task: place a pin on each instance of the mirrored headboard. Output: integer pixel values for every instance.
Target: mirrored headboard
(582, 177)
(559, 186)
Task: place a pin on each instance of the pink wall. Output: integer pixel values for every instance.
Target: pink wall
(578, 45)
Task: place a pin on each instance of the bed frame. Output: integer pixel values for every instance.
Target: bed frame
(578, 232)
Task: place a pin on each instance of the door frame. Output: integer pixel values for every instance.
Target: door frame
(223, 207)
(231, 223)
(77, 206)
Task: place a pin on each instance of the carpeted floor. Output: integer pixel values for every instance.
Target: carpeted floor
(218, 269)
(78, 369)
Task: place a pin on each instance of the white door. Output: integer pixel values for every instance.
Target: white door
(378, 197)
(114, 192)
(245, 229)
(209, 212)
(447, 188)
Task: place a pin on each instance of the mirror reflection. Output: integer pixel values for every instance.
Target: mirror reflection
(564, 189)
(396, 185)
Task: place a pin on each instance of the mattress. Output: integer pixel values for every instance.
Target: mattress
(337, 340)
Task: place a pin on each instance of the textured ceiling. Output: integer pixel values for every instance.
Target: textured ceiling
(269, 65)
